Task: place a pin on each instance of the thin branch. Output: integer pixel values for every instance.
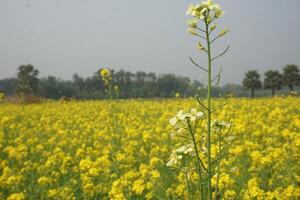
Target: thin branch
(202, 164)
(219, 157)
(199, 135)
(201, 103)
(207, 178)
(221, 53)
(227, 132)
(195, 142)
(221, 105)
(196, 149)
(200, 36)
(199, 161)
(202, 49)
(215, 39)
(218, 81)
(197, 65)
(183, 137)
(223, 152)
(212, 20)
(218, 75)
(200, 29)
(187, 129)
(196, 123)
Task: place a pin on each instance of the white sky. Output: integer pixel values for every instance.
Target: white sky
(63, 37)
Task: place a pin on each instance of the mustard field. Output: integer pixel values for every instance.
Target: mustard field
(120, 149)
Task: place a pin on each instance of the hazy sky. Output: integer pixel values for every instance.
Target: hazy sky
(63, 37)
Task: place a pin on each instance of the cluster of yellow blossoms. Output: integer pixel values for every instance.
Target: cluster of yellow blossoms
(121, 150)
(106, 76)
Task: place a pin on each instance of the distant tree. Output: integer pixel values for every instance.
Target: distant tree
(50, 87)
(252, 81)
(273, 80)
(27, 80)
(151, 77)
(66, 89)
(126, 89)
(151, 85)
(8, 85)
(140, 80)
(168, 85)
(291, 76)
(119, 79)
(130, 85)
(141, 77)
(78, 83)
(234, 89)
(193, 88)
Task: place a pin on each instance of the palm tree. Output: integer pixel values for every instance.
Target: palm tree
(252, 81)
(273, 80)
(291, 76)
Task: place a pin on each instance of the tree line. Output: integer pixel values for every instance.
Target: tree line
(141, 84)
(130, 85)
(273, 79)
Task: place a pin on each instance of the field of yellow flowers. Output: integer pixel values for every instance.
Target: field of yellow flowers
(120, 149)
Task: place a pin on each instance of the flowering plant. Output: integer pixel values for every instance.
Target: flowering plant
(209, 148)
(106, 76)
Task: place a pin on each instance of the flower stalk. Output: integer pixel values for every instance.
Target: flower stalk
(199, 162)
(200, 143)
(207, 12)
(209, 171)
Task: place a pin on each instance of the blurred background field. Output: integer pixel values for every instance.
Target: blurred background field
(118, 149)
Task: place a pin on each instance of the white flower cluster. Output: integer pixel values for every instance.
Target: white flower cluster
(178, 154)
(182, 116)
(200, 11)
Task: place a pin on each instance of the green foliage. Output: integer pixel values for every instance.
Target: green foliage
(131, 85)
(27, 80)
(8, 85)
(291, 76)
(273, 80)
(54, 88)
(252, 81)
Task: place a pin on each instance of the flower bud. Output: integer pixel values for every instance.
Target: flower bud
(223, 32)
(208, 19)
(200, 46)
(219, 13)
(213, 27)
(192, 23)
(192, 31)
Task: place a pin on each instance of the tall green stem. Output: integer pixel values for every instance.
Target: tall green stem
(187, 186)
(218, 168)
(198, 159)
(209, 111)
